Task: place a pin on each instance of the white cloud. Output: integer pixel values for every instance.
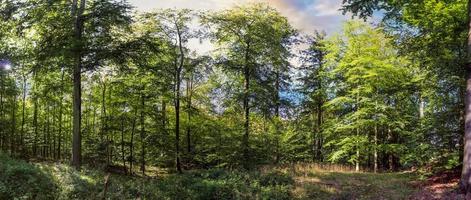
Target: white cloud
(318, 14)
(327, 7)
(305, 15)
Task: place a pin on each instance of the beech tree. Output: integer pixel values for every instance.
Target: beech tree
(245, 35)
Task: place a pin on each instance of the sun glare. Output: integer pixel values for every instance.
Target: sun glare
(5, 64)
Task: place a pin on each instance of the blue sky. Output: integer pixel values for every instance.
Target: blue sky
(305, 15)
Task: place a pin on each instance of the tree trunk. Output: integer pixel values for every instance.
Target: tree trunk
(178, 70)
(319, 129)
(143, 142)
(465, 183)
(390, 156)
(375, 153)
(13, 126)
(60, 115)
(245, 140)
(131, 149)
(35, 124)
(189, 86)
(2, 110)
(23, 110)
(122, 142)
(77, 97)
(357, 163)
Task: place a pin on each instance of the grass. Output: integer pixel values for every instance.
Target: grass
(315, 181)
(21, 180)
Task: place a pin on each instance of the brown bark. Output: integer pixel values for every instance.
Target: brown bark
(77, 13)
(465, 183)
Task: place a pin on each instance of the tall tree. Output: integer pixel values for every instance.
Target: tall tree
(175, 26)
(365, 64)
(245, 35)
(77, 14)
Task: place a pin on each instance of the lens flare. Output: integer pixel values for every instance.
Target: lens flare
(5, 65)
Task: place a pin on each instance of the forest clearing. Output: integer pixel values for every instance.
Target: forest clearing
(235, 99)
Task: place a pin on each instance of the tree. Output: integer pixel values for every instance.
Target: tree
(175, 26)
(450, 20)
(366, 67)
(313, 84)
(77, 14)
(245, 35)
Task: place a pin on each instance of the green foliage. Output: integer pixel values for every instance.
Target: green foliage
(388, 95)
(369, 76)
(21, 180)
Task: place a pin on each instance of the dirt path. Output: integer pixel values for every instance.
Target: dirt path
(443, 186)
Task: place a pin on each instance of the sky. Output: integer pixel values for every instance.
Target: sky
(305, 15)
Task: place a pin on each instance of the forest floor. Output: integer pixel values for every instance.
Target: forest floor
(442, 185)
(52, 180)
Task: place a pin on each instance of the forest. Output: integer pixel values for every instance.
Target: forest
(101, 101)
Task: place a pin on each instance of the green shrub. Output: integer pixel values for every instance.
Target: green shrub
(20, 180)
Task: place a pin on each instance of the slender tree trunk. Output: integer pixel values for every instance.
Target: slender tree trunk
(47, 132)
(375, 139)
(122, 142)
(103, 112)
(277, 116)
(178, 70)
(314, 136)
(320, 103)
(109, 131)
(35, 124)
(53, 131)
(77, 97)
(13, 126)
(390, 156)
(465, 183)
(357, 163)
(245, 140)
(189, 87)
(61, 102)
(143, 142)
(375, 153)
(133, 129)
(2, 110)
(23, 110)
(319, 129)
